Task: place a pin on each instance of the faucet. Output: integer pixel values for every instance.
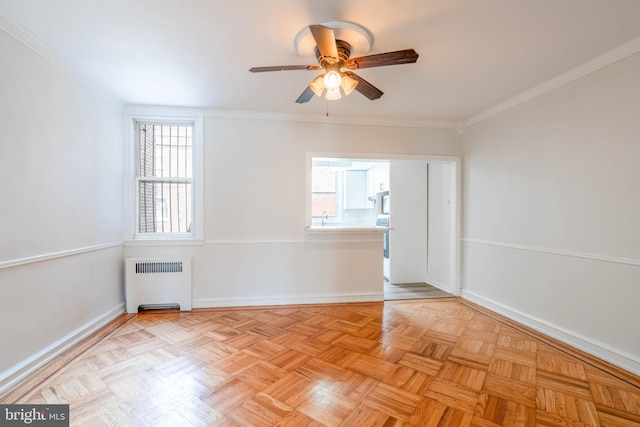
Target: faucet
(325, 217)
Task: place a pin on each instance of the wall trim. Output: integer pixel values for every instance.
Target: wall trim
(443, 287)
(619, 53)
(287, 300)
(29, 40)
(273, 241)
(292, 241)
(336, 120)
(54, 255)
(163, 242)
(19, 372)
(593, 257)
(587, 345)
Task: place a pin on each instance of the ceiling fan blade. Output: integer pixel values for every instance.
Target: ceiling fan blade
(305, 96)
(364, 87)
(284, 68)
(325, 40)
(407, 56)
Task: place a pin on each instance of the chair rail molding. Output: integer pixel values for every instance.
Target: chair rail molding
(60, 254)
(594, 257)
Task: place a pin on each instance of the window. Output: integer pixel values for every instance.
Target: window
(325, 194)
(164, 178)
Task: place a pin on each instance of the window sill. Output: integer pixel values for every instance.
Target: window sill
(164, 242)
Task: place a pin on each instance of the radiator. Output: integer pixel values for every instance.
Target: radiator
(158, 282)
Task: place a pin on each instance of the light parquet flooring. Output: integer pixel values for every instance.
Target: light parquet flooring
(399, 363)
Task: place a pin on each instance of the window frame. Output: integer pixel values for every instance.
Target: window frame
(163, 116)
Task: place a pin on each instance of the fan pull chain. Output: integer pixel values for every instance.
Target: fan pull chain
(326, 103)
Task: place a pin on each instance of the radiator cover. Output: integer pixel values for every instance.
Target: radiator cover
(158, 281)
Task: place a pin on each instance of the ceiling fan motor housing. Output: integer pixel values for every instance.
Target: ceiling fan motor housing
(344, 52)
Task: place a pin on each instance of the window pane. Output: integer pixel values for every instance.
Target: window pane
(165, 151)
(323, 205)
(324, 202)
(146, 150)
(323, 181)
(165, 207)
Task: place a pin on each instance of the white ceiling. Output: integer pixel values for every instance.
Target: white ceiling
(474, 54)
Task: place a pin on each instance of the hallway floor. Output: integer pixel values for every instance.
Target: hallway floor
(412, 291)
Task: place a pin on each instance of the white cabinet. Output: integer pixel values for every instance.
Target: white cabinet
(355, 194)
(380, 178)
(362, 185)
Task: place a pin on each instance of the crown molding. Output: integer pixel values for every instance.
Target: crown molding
(339, 120)
(29, 40)
(619, 53)
(161, 111)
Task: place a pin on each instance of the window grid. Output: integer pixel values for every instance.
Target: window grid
(165, 176)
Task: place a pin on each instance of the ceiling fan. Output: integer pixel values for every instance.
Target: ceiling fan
(334, 55)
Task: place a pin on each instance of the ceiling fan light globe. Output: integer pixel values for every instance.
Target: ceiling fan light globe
(348, 84)
(333, 94)
(332, 80)
(317, 85)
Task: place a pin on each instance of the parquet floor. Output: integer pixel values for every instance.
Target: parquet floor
(414, 363)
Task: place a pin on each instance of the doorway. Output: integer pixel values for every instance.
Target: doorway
(422, 240)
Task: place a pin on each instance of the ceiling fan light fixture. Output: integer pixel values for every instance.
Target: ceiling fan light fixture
(348, 84)
(317, 85)
(333, 94)
(332, 80)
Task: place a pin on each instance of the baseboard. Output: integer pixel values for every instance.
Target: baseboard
(287, 300)
(23, 369)
(599, 352)
(441, 286)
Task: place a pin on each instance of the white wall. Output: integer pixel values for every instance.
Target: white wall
(408, 218)
(551, 213)
(440, 269)
(61, 217)
(256, 250)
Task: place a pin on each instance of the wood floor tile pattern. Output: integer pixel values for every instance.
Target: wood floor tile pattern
(400, 363)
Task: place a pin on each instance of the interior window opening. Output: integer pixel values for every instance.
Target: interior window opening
(350, 193)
